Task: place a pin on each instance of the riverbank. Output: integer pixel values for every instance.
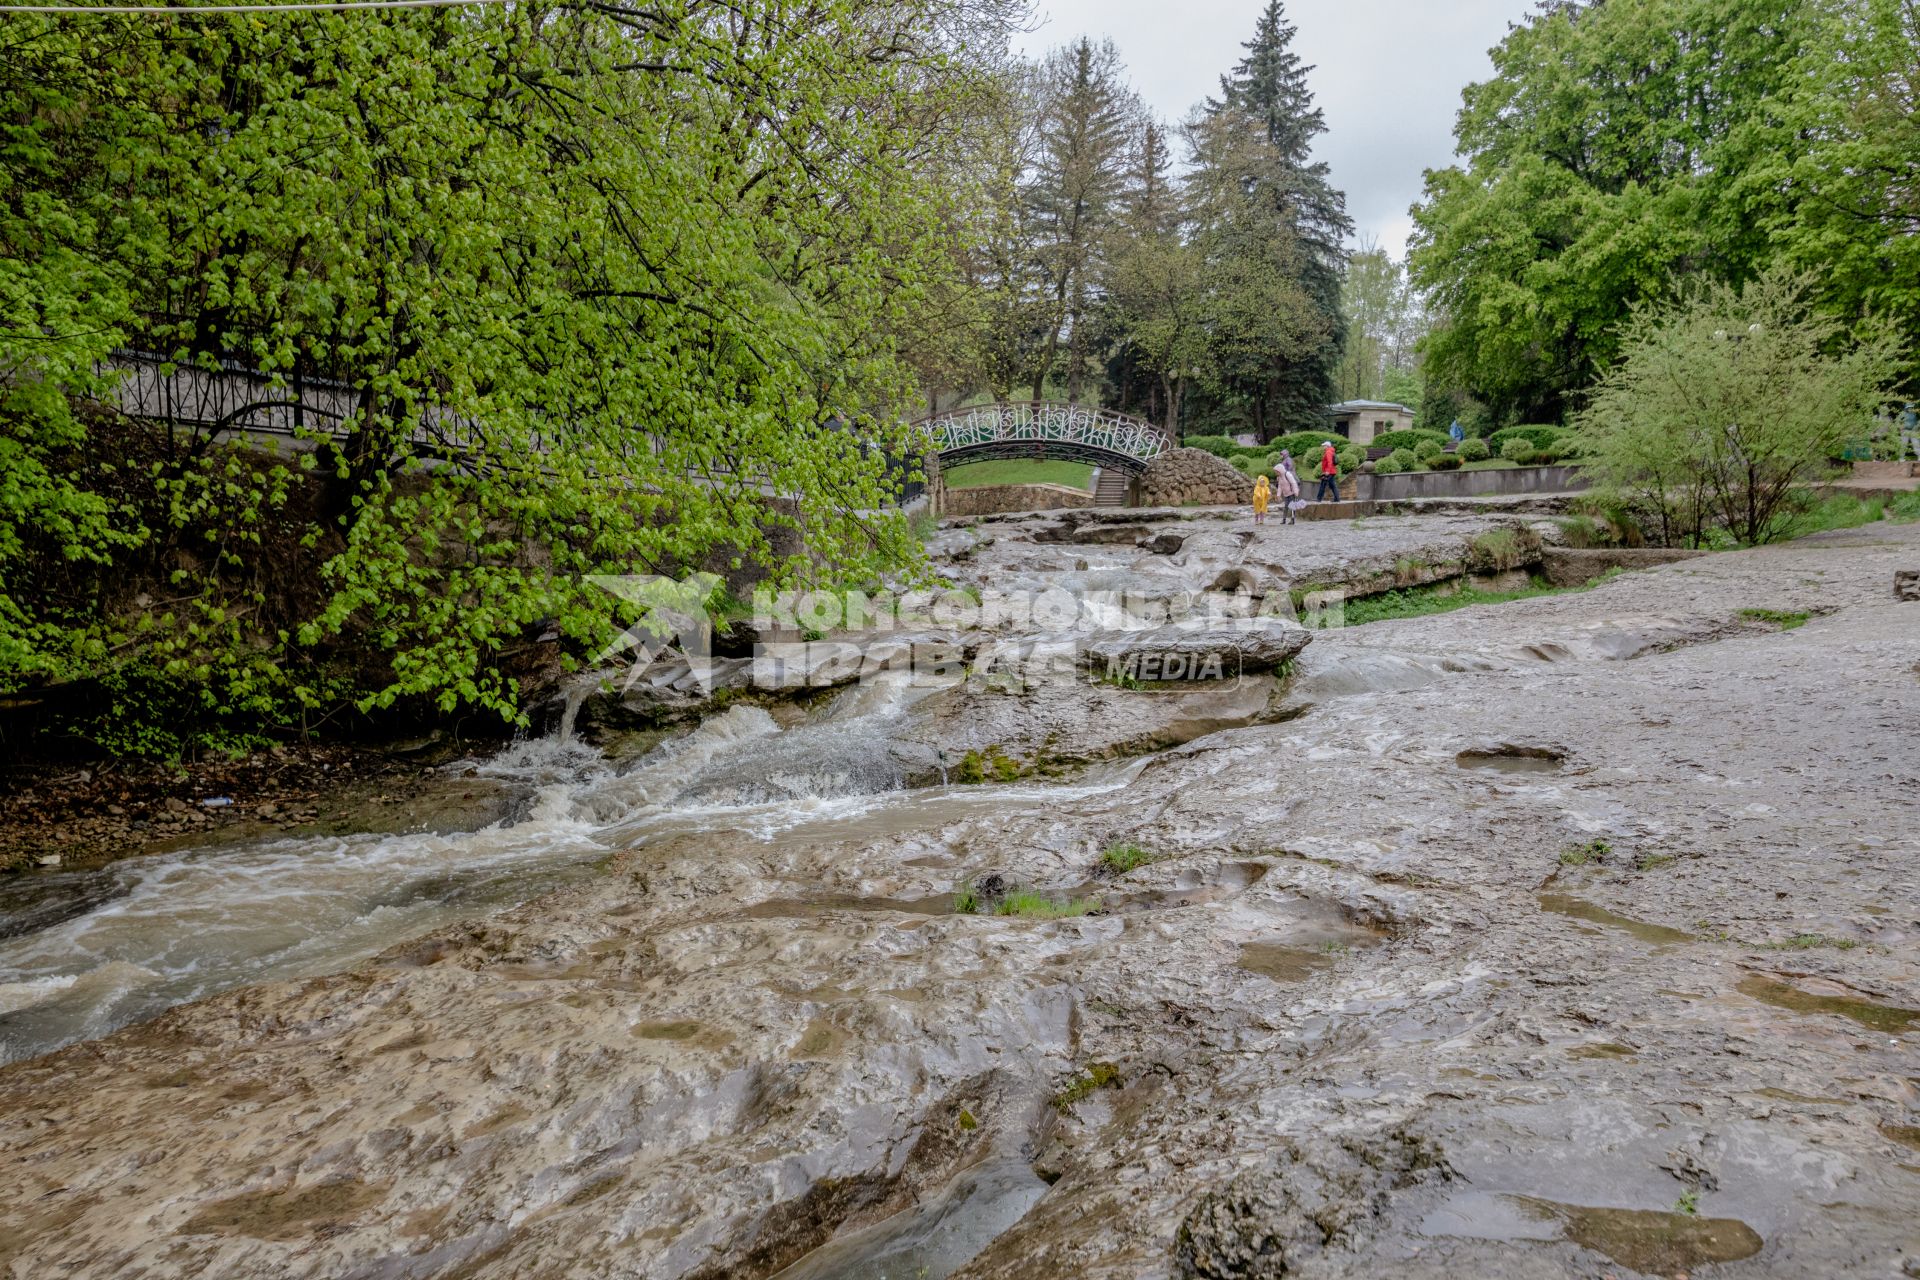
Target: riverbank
(77, 816)
(1569, 936)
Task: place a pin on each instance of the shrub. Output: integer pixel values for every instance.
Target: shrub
(1387, 466)
(1538, 435)
(1445, 462)
(1349, 459)
(1218, 446)
(1427, 450)
(1473, 451)
(1518, 450)
(1407, 439)
(1403, 460)
(1305, 444)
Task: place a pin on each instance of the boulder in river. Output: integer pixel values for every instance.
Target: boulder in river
(1241, 647)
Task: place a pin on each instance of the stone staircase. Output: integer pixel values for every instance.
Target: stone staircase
(1110, 487)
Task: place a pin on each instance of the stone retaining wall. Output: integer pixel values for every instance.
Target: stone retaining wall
(1188, 477)
(1470, 484)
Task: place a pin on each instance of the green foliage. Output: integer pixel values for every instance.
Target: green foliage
(1038, 906)
(978, 766)
(1444, 462)
(1539, 436)
(1408, 438)
(1495, 550)
(1621, 150)
(642, 331)
(1268, 229)
(1218, 446)
(1098, 1075)
(1519, 451)
(1784, 619)
(1074, 475)
(1724, 403)
(1124, 857)
(1387, 466)
(1473, 450)
(1416, 602)
(1427, 450)
(1597, 170)
(1580, 855)
(1402, 460)
(1810, 941)
(1840, 511)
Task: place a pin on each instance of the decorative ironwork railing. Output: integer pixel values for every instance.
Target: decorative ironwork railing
(1073, 428)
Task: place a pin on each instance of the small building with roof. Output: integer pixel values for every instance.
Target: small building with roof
(1362, 420)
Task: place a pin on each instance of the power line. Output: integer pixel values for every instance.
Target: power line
(319, 6)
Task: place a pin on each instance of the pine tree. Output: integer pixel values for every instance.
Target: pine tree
(1076, 194)
(1269, 87)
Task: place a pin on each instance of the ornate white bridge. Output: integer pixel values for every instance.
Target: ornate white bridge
(1045, 429)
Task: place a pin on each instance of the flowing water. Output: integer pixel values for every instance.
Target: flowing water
(139, 936)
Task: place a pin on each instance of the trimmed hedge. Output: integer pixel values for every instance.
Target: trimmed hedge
(1538, 435)
(1445, 462)
(1218, 446)
(1473, 450)
(1407, 438)
(1518, 449)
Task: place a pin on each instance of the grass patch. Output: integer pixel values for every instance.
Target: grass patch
(1778, 617)
(1905, 508)
(1415, 602)
(967, 902)
(1098, 1075)
(1841, 511)
(1688, 1203)
(1027, 905)
(1652, 861)
(1490, 464)
(974, 475)
(1122, 858)
(1579, 855)
(1808, 941)
(1495, 549)
(978, 766)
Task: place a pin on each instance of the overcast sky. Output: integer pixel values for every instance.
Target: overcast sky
(1388, 74)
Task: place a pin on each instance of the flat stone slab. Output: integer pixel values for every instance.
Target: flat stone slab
(1259, 644)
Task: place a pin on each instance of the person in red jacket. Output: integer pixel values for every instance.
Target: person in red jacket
(1329, 475)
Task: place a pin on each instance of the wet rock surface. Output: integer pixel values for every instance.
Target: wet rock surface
(1582, 942)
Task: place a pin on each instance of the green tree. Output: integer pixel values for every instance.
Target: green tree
(1268, 93)
(1088, 118)
(1157, 305)
(1606, 159)
(1723, 403)
(1844, 141)
(607, 283)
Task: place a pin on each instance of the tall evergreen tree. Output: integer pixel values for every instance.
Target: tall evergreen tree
(1079, 181)
(1270, 87)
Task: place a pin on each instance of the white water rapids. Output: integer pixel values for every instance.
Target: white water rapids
(158, 931)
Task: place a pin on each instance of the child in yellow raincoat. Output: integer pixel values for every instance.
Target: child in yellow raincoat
(1260, 492)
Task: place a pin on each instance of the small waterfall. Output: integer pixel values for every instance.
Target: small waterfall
(160, 930)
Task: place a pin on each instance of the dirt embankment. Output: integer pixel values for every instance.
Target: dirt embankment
(74, 816)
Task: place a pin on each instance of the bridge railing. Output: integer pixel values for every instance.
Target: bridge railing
(1044, 422)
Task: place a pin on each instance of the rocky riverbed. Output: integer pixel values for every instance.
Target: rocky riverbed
(1572, 936)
